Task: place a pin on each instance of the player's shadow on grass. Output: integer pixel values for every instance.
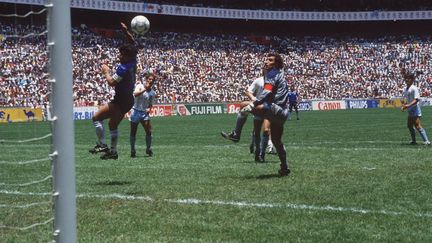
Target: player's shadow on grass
(141, 156)
(262, 177)
(415, 146)
(268, 176)
(113, 183)
(252, 161)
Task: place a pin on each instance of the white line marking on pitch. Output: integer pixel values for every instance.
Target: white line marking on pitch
(234, 203)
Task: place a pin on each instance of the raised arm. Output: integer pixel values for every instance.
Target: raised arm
(128, 34)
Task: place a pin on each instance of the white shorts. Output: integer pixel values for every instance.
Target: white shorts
(414, 111)
(138, 116)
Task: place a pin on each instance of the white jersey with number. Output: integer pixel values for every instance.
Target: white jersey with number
(257, 86)
(144, 100)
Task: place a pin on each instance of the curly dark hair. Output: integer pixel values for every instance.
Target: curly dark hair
(279, 64)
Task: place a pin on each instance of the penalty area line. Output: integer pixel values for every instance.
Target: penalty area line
(192, 201)
(258, 205)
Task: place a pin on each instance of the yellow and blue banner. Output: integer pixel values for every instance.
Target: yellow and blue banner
(21, 114)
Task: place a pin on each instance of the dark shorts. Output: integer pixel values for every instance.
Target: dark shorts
(276, 114)
(292, 105)
(125, 103)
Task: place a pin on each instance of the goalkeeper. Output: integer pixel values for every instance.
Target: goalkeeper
(270, 105)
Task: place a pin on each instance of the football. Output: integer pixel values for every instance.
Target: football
(140, 25)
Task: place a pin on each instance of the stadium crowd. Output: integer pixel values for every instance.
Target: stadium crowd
(210, 68)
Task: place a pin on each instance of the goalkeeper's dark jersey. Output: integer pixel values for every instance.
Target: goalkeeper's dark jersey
(278, 94)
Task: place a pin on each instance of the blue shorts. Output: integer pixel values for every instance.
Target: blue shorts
(138, 116)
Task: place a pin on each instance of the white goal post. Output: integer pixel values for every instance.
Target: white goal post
(63, 154)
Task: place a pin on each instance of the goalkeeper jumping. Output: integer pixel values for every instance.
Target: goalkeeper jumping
(271, 105)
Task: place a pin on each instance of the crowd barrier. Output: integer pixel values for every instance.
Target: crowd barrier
(246, 14)
(306, 105)
(26, 114)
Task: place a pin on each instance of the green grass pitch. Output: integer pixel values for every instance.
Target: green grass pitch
(353, 179)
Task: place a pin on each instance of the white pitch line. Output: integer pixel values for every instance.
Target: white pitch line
(349, 142)
(288, 147)
(26, 140)
(117, 196)
(236, 203)
(297, 206)
(27, 227)
(17, 193)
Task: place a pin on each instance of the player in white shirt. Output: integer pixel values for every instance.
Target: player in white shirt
(255, 89)
(258, 145)
(412, 96)
(265, 145)
(144, 99)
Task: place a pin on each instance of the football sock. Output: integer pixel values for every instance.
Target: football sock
(423, 134)
(241, 120)
(413, 134)
(270, 143)
(270, 146)
(100, 133)
(253, 138)
(114, 139)
(264, 143)
(285, 113)
(280, 148)
(148, 140)
(258, 142)
(132, 140)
